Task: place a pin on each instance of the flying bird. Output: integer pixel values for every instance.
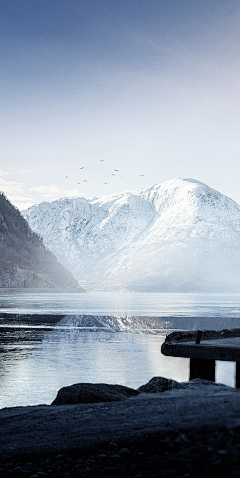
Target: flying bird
(66, 176)
(141, 174)
(79, 182)
(82, 167)
(85, 181)
(101, 160)
(116, 169)
(113, 174)
(105, 183)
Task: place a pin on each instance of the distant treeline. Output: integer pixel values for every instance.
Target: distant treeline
(21, 247)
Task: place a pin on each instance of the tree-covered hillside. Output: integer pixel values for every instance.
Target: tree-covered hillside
(24, 260)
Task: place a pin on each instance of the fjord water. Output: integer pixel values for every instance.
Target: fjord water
(147, 304)
(39, 357)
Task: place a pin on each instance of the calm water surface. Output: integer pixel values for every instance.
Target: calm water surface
(36, 360)
(123, 303)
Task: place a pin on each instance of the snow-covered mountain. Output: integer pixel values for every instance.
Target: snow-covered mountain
(180, 235)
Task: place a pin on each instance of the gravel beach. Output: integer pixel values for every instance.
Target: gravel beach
(186, 432)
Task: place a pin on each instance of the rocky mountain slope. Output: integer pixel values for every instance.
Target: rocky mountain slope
(24, 260)
(180, 235)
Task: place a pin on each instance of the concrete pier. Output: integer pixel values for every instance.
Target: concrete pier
(223, 345)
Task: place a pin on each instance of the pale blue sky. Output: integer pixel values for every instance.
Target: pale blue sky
(149, 87)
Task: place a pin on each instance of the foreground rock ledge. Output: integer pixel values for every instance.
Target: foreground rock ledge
(61, 428)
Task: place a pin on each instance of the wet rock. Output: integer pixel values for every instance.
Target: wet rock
(92, 393)
(159, 384)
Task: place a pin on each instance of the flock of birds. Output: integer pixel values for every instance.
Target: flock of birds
(113, 174)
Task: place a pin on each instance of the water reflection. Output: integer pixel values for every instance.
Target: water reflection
(38, 354)
(66, 357)
(36, 362)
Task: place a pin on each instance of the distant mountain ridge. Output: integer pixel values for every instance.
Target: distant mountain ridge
(180, 235)
(24, 260)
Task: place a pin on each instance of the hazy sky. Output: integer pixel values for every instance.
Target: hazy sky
(149, 87)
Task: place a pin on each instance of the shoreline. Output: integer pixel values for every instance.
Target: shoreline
(35, 429)
(146, 435)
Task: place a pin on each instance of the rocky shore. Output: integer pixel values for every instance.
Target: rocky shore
(184, 432)
(206, 452)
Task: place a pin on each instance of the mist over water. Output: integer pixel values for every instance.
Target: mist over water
(50, 340)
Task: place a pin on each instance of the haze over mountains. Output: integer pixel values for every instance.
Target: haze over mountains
(180, 235)
(24, 260)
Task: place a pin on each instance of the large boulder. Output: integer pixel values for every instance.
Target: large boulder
(160, 384)
(92, 393)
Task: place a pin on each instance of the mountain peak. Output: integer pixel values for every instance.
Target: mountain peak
(178, 235)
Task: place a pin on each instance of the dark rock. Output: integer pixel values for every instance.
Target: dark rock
(160, 384)
(92, 393)
(124, 451)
